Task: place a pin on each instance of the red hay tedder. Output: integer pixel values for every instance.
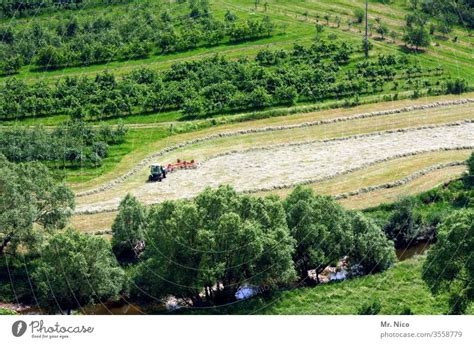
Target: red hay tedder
(180, 164)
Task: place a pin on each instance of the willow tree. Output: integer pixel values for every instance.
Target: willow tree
(321, 228)
(372, 249)
(128, 229)
(204, 250)
(449, 267)
(75, 270)
(32, 202)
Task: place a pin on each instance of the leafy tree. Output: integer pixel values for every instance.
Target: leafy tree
(200, 87)
(413, 4)
(449, 267)
(321, 228)
(50, 57)
(94, 159)
(259, 97)
(371, 249)
(193, 107)
(31, 203)
(6, 311)
(100, 148)
(75, 270)
(215, 243)
(367, 44)
(460, 11)
(403, 225)
(470, 164)
(456, 86)
(11, 65)
(72, 141)
(444, 27)
(393, 35)
(128, 229)
(359, 15)
(319, 30)
(416, 36)
(382, 29)
(406, 311)
(287, 95)
(230, 16)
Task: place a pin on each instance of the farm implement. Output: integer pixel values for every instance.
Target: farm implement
(159, 172)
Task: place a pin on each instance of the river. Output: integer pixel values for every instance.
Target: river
(418, 249)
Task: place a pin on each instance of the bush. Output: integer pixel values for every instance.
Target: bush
(370, 308)
(404, 224)
(359, 14)
(456, 86)
(470, 165)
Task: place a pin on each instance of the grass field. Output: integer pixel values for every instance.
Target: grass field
(386, 172)
(142, 142)
(100, 222)
(412, 188)
(375, 175)
(396, 289)
(205, 150)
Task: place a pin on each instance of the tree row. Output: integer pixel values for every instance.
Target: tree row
(218, 84)
(73, 143)
(91, 39)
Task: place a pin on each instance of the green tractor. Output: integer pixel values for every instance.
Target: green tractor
(157, 173)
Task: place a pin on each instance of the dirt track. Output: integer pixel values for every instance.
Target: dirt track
(285, 165)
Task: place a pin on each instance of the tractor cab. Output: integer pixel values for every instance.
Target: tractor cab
(157, 173)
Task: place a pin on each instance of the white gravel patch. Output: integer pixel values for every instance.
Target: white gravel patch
(286, 165)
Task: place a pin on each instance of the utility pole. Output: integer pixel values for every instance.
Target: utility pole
(366, 41)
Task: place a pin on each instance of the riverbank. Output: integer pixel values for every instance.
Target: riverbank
(399, 290)
(125, 307)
